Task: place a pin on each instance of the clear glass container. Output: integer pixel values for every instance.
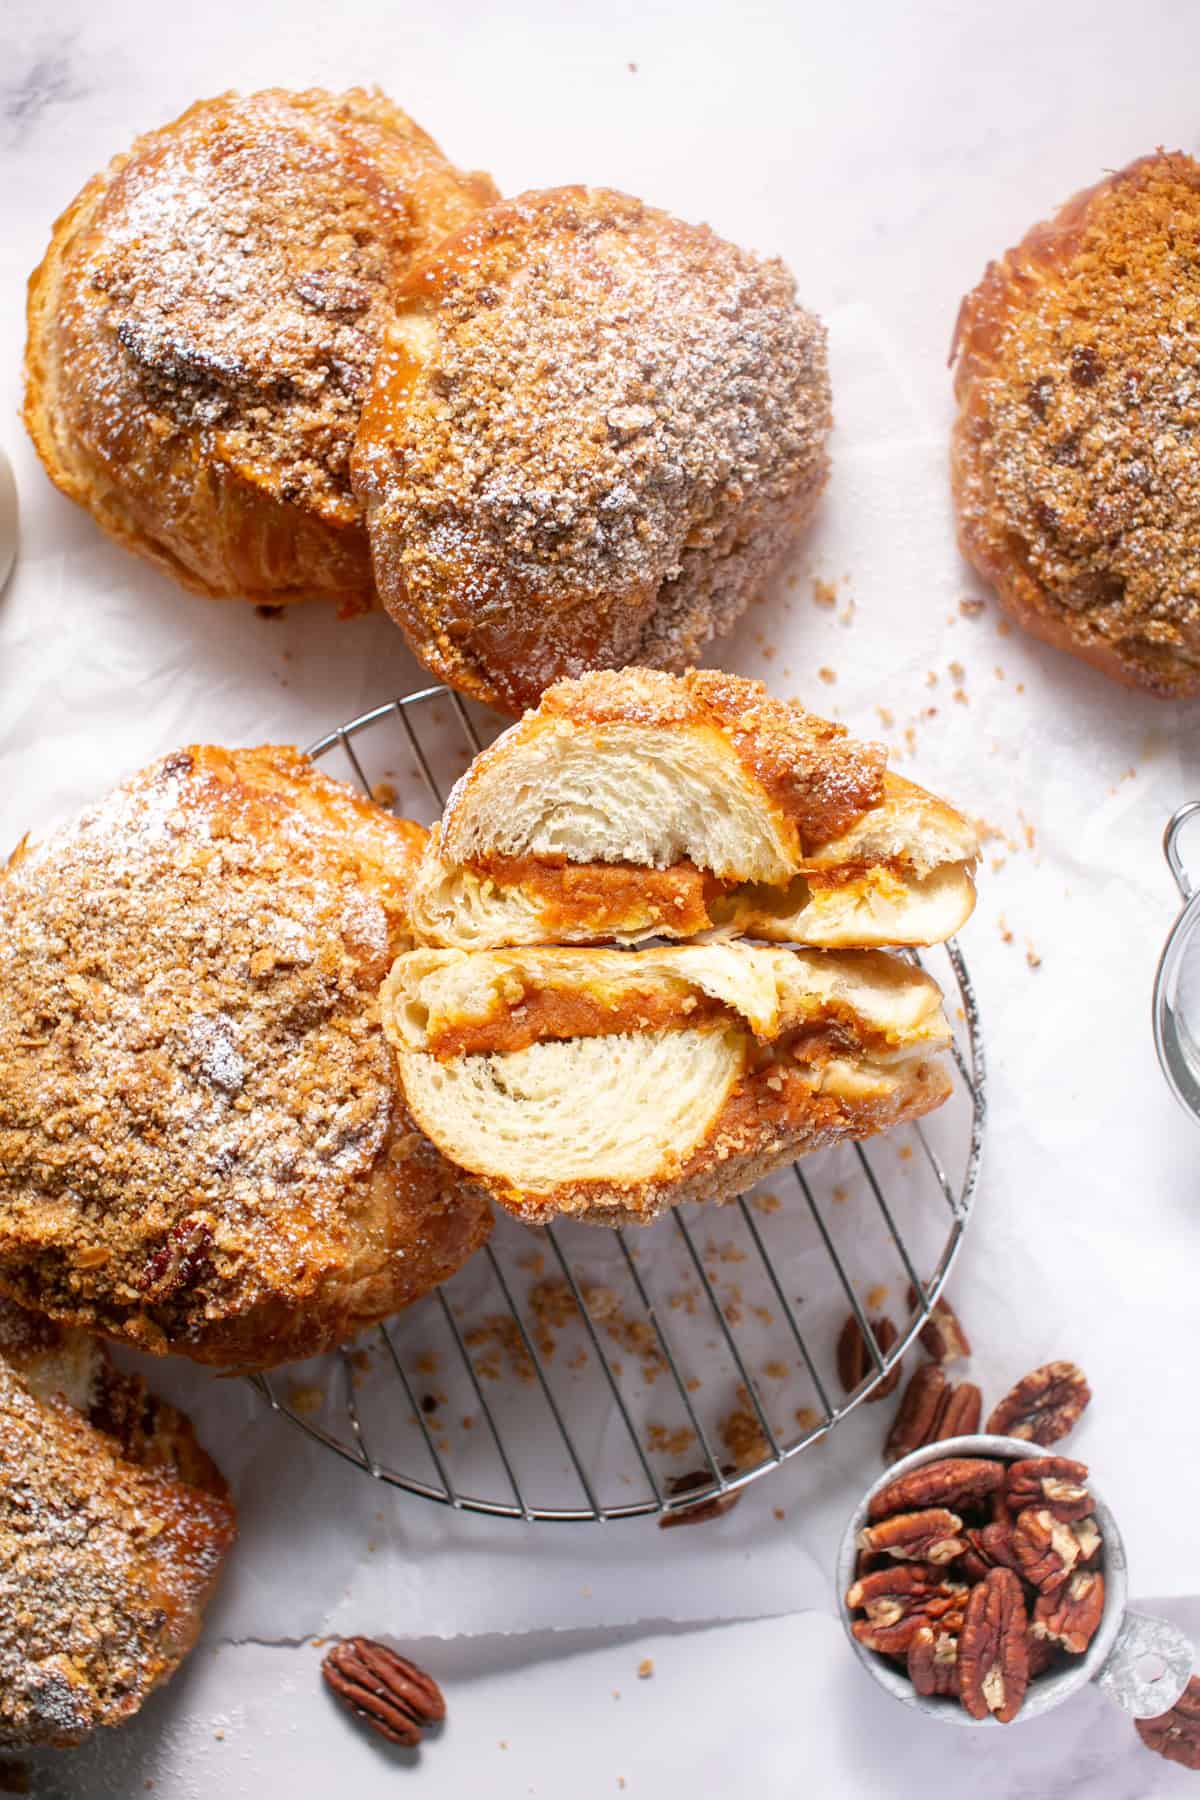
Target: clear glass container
(1177, 983)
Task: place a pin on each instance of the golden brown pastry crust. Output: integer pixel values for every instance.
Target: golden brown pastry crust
(202, 1145)
(1074, 473)
(593, 432)
(204, 324)
(108, 1554)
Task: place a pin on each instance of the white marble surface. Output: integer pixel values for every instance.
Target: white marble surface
(886, 152)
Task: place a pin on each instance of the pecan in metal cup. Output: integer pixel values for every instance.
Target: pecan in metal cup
(993, 1662)
(956, 1481)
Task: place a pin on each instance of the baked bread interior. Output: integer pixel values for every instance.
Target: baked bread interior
(637, 804)
(1075, 477)
(205, 323)
(593, 432)
(203, 1147)
(114, 1525)
(609, 1085)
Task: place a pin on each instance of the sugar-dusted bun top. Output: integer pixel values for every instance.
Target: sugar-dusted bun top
(592, 431)
(1076, 474)
(230, 280)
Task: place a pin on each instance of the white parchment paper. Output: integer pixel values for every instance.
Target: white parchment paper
(1086, 1235)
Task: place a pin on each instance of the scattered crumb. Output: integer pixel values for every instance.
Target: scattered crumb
(504, 1743)
(1031, 956)
(1003, 626)
(777, 1512)
(827, 675)
(616, 1693)
(633, 69)
(645, 1668)
(670, 1440)
(383, 794)
(887, 717)
(846, 616)
(427, 1362)
(931, 679)
(970, 608)
(958, 672)
(1005, 933)
(840, 1196)
(620, 1781)
(876, 1296)
(306, 1400)
(361, 1360)
(959, 694)
(807, 1419)
(220, 1736)
(905, 1152)
(824, 593)
(270, 612)
(776, 1370)
(766, 1203)
(742, 1435)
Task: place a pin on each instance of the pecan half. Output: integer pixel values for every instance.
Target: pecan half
(993, 1662)
(1176, 1734)
(1071, 1616)
(1041, 1652)
(956, 1481)
(389, 1693)
(941, 1336)
(1053, 1482)
(933, 1661)
(961, 1409)
(898, 1601)
(1048, 1549)
(927, 1536)
(855, 1362)
(698, 1514)
(1043, 1406)
(920, 1408)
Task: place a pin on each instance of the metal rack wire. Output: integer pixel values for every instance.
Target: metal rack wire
(567, 1373)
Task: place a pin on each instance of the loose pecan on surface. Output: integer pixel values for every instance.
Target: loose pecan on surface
(1176, 1734)
(1071, 1616)
(942, 1335)
(1053, 1482)
(1044, 1405)
(854, 1359)
(955, 1481)
(993, 1662)
(930, 1535)
(389, 1693)
(917, 1418)
(960, 1413)
(703, 1510)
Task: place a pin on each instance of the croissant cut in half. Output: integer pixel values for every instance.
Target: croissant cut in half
(611, 1085)
(634, 805)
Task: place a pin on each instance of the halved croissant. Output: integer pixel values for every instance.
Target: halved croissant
(610, 1085)
(636, 804)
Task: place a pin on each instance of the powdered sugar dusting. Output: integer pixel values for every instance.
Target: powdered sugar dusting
(620, 424)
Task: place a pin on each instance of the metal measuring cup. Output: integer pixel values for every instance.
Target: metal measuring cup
(1140, 1662)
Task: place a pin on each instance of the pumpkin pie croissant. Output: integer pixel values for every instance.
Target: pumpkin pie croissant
(203, 1146)
(608, 1085)
(635, 804)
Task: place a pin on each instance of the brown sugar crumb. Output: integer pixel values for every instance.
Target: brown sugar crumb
(427, 1362)
(807, 1419)
(645, 1668)
(840, 1196)
(827, 675)
(1032, 957)
(905, 1152)
(383, 793)
(766, 1203)
(777, 1512)
(824, 593)
(1005, 933)
(498, 1338)
(876, 1296)
(931, 679)
(957, 671)
(960, 697)
(670, 1440)
(776, 1370)
(306, 1399)
(887, 717)
(742, 1434)
(971, 608)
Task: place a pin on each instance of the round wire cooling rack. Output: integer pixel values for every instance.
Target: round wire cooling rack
(570, 1373)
